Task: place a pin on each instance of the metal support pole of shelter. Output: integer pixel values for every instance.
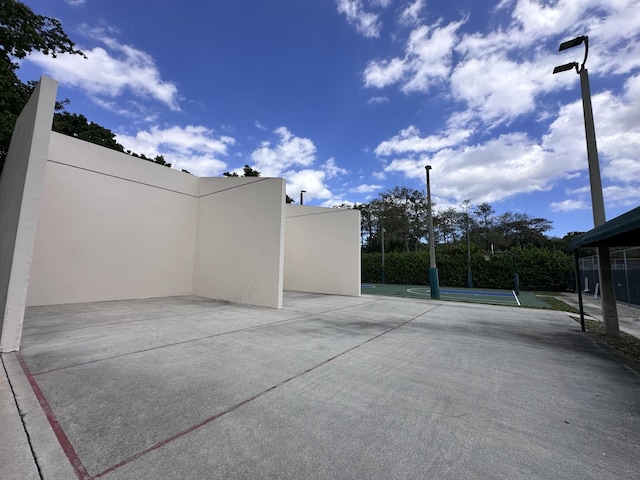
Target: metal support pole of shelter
(579, 288)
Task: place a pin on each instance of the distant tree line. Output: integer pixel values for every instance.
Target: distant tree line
(402, 213)
(464, 238)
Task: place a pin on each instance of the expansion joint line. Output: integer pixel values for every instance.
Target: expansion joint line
(254, 397)
(81, 470)
(24, 426)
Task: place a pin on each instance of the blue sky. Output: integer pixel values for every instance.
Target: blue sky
(348, 98)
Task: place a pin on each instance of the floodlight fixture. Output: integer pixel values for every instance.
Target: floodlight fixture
(565, 67)
(573, 43)
(570, 44)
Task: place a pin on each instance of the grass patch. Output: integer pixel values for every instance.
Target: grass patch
(556, 304)
(626, 344)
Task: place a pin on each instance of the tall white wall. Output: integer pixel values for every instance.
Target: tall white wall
(20, 200)
(322, 250)
(240, 240)
(111, 227)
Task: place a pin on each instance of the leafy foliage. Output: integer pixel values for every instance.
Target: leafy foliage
(79, 127)
(538, 268)
(23, 32)
(402, 214)
(250, 172)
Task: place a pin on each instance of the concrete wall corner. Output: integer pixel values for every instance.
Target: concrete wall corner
(20, 196)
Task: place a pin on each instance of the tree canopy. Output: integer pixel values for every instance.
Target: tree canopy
(22, 32)
(250, 172)
(402, 213)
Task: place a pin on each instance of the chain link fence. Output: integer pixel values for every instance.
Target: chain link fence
(625, 266)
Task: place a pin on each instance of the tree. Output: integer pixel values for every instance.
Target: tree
(485, 212)
(250, 172)
(22, 32)
(79, 127)
(401, 211)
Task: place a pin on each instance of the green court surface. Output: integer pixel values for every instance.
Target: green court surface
(471, 295)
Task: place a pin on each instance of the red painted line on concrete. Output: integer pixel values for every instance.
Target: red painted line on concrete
(246, 401)
(70, 452)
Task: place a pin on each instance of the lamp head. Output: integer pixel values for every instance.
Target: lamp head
(572, 43)
(428, 167)
(565, 67)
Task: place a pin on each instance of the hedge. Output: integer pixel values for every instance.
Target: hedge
(539, 269)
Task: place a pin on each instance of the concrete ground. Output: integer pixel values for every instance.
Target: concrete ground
(327, 387)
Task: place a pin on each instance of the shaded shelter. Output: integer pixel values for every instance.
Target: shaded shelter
(622, 231)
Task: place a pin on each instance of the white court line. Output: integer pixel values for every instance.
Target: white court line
(516, 297)
(415, 291)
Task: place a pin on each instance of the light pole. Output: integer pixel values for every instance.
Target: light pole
(382, 255)
(434, 285)
(609, 310)
(469, 274)
(301, 196)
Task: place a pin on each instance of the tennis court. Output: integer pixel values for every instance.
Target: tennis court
(455, 294)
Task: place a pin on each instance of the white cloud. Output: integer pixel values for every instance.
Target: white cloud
(293, 158)
(291, 151)
(411, 13)
(332, 169)
(381, 73)
(378, 100)
(409, 140)
(365, 23)
(311, 181)
(193, 148)
(569, 205)
(498, 89)
(501, 74)
(492, 171)
(427, 60)
(365, 188)
(516, 163)
(381, 3)
(109, 71)
(75, 3)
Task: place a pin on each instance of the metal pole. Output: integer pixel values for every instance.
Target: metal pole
(469, 274)
(626, 276)
(434, 286)
(608, 295)
(383, 255)
(301, 197)
(579, 288)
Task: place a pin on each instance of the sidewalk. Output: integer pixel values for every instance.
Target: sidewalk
(328, 387)
(628, 317)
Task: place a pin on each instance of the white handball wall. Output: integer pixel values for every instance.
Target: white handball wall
(240, 240)
(111, 227)
(322, 250)
(20, 200)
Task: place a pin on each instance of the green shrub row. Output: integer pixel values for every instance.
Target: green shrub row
(538, 269)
